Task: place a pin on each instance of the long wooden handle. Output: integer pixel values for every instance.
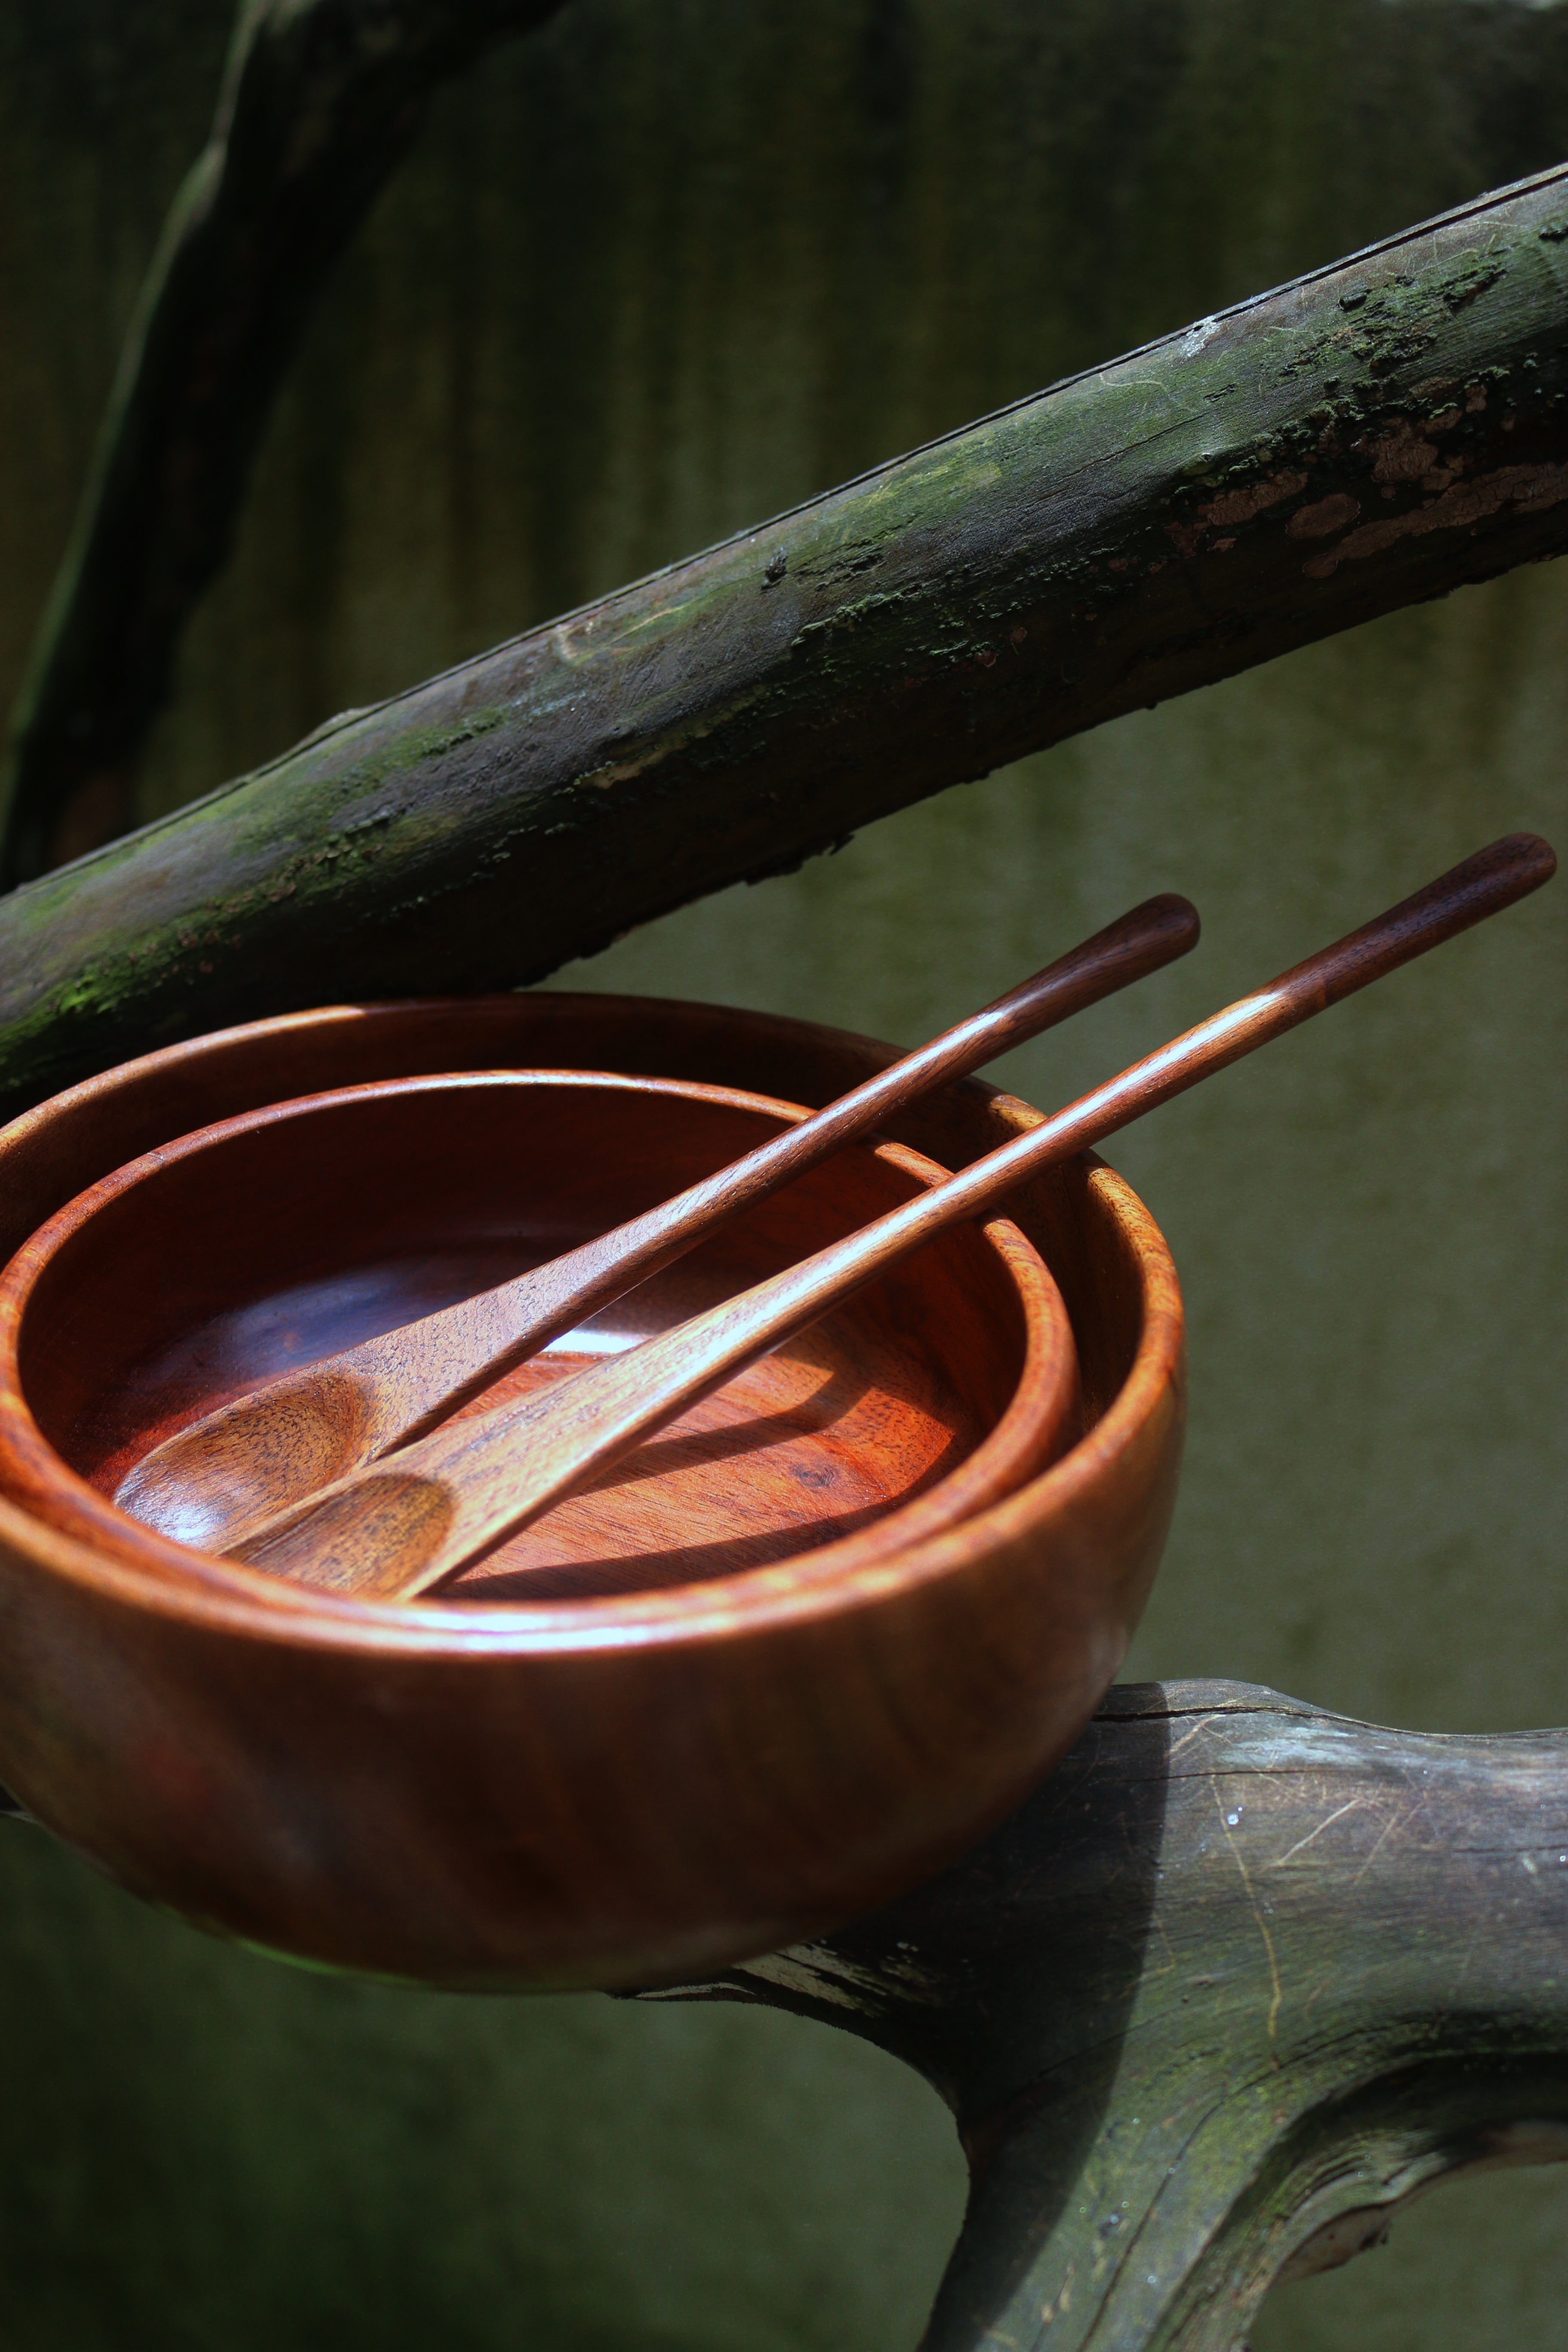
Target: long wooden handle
(503, 1325)
(217, 1481)
(433, 1506)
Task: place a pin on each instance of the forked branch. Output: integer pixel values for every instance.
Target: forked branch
(1237, 1982)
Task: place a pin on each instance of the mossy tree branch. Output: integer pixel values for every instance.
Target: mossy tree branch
(319, 101)
(1378, 433)
(1238, 1981)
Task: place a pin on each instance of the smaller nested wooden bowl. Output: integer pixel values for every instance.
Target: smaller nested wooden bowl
(612, 1789)
(197, 1272)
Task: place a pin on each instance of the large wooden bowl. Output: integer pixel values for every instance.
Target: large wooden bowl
(606, 1790)
(195, 1273)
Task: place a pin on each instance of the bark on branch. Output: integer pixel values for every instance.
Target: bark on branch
(319, 104)
(1238, 1981)
(1375, 434)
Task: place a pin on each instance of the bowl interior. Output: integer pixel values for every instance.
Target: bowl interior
(303, 1229)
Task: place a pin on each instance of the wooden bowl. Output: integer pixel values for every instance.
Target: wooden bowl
(197, 1272)
(614, 1789)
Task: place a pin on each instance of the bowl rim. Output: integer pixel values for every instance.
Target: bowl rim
(776, 1596)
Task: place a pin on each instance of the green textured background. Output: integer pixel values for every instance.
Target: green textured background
(662, 271)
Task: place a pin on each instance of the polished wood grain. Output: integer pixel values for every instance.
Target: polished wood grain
(918, 1402)
(426, 1510)
(600, 1788)
(224, 1476)
(455, 1495)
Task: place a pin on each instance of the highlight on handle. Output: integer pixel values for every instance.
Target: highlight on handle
(1483, 884)
(1479, 886)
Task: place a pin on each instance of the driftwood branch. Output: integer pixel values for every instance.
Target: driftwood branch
(319, 104)
(1238, 1981)
(1374, 435)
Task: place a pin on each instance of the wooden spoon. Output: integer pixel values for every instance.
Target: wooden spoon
(215, 1482)
(395, 1531)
